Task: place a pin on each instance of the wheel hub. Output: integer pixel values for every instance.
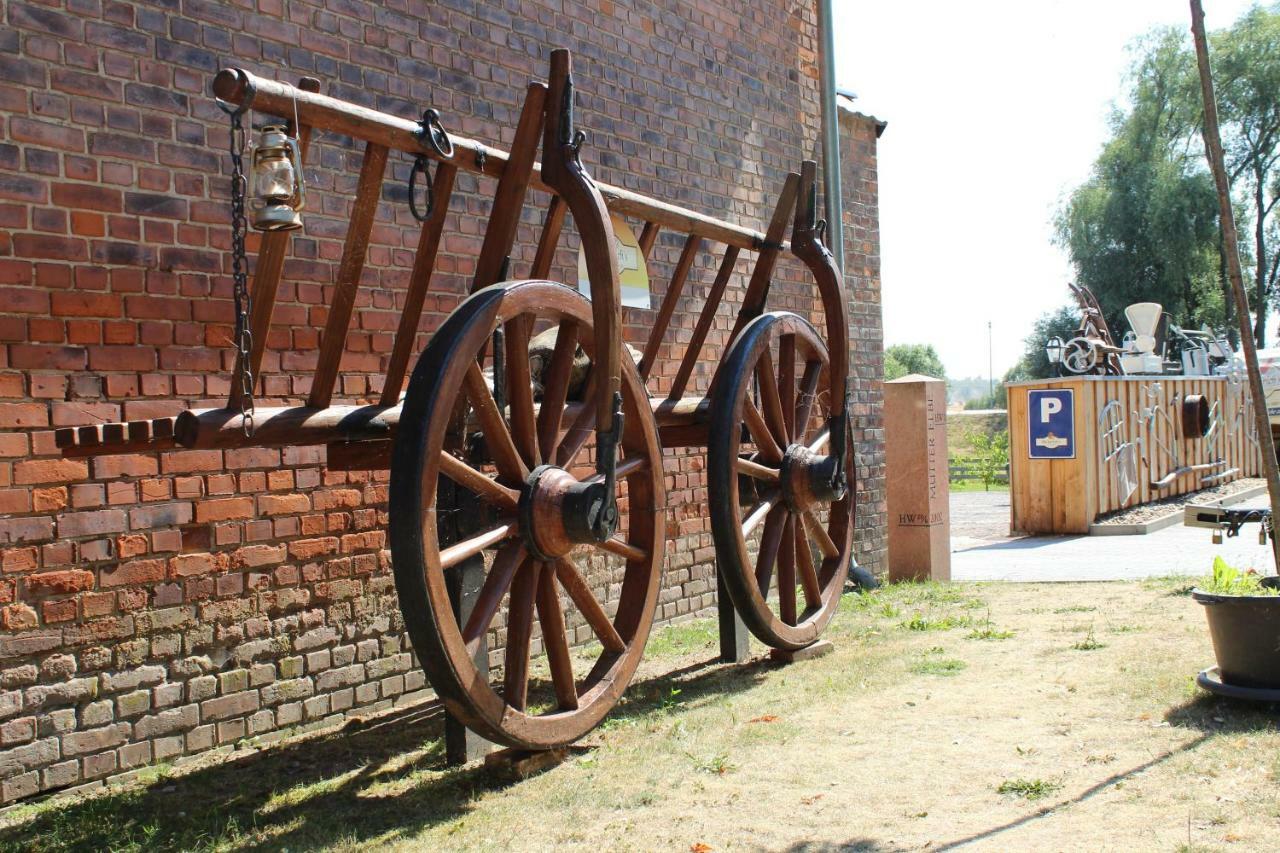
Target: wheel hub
(558, 512)
(809, 478)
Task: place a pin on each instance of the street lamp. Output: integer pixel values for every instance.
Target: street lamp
(1053, 350)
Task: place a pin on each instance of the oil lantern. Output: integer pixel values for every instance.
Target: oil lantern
(278, 193)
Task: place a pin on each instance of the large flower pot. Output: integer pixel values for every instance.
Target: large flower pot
(1246, 641)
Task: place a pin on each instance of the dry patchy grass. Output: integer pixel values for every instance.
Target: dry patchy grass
(906, 736)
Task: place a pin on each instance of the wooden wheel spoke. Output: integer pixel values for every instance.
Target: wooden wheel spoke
(520, 388)
(581, 430)
(821, 441)
(759, 430)
(505, 564)
(458, 552)
(770, 400)
(619, 548)
(555, 387)
(626, 467)
(759, 511)
(808, 573)
(819, 533)
(486, 487)
(574, 584)
(556, 641)
(497, 438)
(754, 469)
(787, 384)
(515, 679)
(769, 542)
(804, 403)
(787, 573)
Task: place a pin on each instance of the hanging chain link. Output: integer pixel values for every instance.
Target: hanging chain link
(240, 271)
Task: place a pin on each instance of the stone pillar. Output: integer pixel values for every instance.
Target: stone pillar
(915, 428)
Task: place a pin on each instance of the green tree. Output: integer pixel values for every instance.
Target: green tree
(1144, 226)
(991, 457)
(904, 359)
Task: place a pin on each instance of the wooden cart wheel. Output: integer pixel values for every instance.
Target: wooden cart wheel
(533, 459)
(775, 519)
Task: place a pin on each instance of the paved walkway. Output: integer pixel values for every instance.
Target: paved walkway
(982, 549)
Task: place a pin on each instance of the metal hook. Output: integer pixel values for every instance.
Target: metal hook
(420, 164)
(432, 132)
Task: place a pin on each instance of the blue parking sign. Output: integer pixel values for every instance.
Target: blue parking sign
(1051, 417)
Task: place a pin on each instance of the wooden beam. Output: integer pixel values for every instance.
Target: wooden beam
(705, 319)
(508, 199)
(276, 98)
(648, 236)
(266, 275)
(368, 191)
(669, 302)
(762, 275)
(551, 227)
(424, 263)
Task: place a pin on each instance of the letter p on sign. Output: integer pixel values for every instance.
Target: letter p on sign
(1049, 406)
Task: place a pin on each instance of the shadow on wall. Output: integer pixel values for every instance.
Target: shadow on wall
(318, 790)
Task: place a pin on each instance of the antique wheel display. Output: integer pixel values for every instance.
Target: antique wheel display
(779, 520)
(524, 461)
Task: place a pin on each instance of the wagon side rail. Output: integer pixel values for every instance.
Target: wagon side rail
(364, 430)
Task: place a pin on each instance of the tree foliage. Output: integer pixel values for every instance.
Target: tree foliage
(903, 359)
(1144, 226)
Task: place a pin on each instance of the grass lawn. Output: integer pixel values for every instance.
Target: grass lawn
(976, 486)
(1005, 717)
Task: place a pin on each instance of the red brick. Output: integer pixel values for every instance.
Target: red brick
(50, 471)
(49, 499)
(82, 304)
(88, 197)
(19, 559)
(186, 565)
(15, 500)
(309, 549)
(131, 546)
(133, 572)
(59, 583)
(63, 610)
(23, 415)
(283, 504)
(222, 509)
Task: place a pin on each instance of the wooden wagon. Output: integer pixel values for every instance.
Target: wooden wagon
(517, 431)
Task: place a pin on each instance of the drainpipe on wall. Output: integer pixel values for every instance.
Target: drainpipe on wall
(830, 135)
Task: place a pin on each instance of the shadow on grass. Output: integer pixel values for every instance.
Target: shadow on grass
(853, 845)
(1093, 790)
(317, 791)
(1219, 715)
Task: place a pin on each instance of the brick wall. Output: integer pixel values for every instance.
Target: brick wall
(154, 606)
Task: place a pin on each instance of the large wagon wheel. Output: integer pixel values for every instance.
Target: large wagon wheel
(538, 518)
(775, 477)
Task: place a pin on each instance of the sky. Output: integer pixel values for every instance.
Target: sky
(996, 111)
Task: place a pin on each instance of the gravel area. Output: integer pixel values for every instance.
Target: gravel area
(1157, 509)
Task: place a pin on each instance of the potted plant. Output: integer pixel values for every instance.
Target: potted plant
(1243, 609)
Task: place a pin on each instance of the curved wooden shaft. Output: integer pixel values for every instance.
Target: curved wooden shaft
(806, 246)
(564, 173)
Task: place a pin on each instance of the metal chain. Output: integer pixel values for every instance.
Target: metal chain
(240, 272)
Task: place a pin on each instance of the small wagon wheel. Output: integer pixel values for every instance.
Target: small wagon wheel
(533, 478)
(778, 518)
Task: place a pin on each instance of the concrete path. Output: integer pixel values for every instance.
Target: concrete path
(983, 551)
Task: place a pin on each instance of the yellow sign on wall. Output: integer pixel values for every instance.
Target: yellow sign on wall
(634, 274)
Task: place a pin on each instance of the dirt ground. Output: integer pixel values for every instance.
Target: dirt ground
(985, 717)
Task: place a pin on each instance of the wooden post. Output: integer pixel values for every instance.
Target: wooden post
(1213, 152)
(735, 641)
(354, 250)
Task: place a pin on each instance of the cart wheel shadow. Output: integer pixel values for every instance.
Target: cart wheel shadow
(245, 802)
